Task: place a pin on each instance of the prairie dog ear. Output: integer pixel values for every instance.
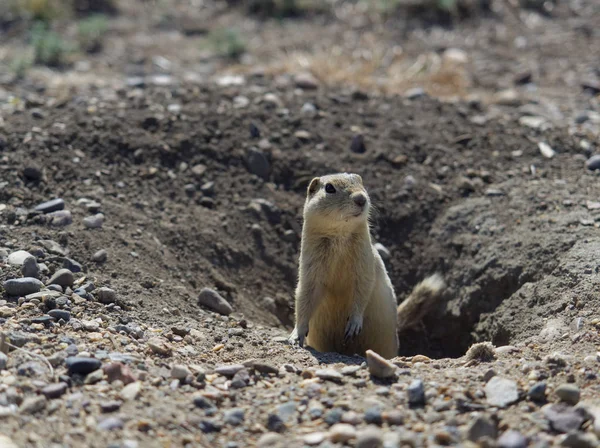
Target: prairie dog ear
(314, 186)
(359, 178)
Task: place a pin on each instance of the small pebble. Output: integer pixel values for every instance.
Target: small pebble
(569, 393)
(62, 277)
(82, 365)
(19, 287)
(18, 258)
(94, 222)
(369, 438)
(480, 428)
(131, 391)
(110, 406)
(501, 392)
(50, 206)
(100, 256)
(234, 417)
(229, 370)
(180, 372)
(329, 375)
(270, 439)
(512, 439)
(380, 367)
(55, 390)
(33, 405)
(341, 433)
(212, 300)
(593, 163)
(110, 424)
(30, 267)
(106, 295)
(537, 392)
(416, 393)
(159, 346)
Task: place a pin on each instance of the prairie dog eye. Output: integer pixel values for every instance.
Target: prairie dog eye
(329, 188)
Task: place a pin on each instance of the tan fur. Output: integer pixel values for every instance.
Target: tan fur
(345, 301)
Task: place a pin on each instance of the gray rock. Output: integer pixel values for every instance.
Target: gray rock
(329, 375)
(30, 268)
(72, 265)
(53, 247)
(62, 277)
(501, 392)
(286, 411)
(234, 417)
(19, 338)
(3, 361)
(569, 393)
(512, 439)
(593, 163)
(160, 347)
(229, 370)
(537, 392)
(265, 368)
(180, 372)
(33, 405)
(306, 81)
(50, 206)
(270, 440)
(131, 391)
(373, 416)
(19, 287)
(211, 299)
(54, 390)
(379, 367)
(44, 295)
(480, 428)
(110, 424)
(94, 222)
(258, 163)
(350, 370)
(82, 365)
(32, 172)
(342, 433)
(18, 258)
(358, 145)
(414, 93)
(106, 295)
(579, 440)
(100, 256)
(369, 438)
(563, 418)
(60, 218)
(110, 406)
(416, 393)
(60, 314)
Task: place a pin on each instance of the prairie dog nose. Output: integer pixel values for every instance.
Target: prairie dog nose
(359, 199)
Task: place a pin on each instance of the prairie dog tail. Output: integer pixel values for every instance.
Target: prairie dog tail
(421, 300)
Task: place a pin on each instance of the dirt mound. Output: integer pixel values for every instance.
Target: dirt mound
(204, 188)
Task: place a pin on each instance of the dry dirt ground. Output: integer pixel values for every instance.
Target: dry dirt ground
(189, 174)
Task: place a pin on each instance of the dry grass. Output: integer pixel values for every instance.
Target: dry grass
(377, 69)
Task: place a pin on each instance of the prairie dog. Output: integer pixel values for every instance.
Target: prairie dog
(345, 301)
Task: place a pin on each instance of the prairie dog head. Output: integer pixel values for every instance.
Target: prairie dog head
(336, 202)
